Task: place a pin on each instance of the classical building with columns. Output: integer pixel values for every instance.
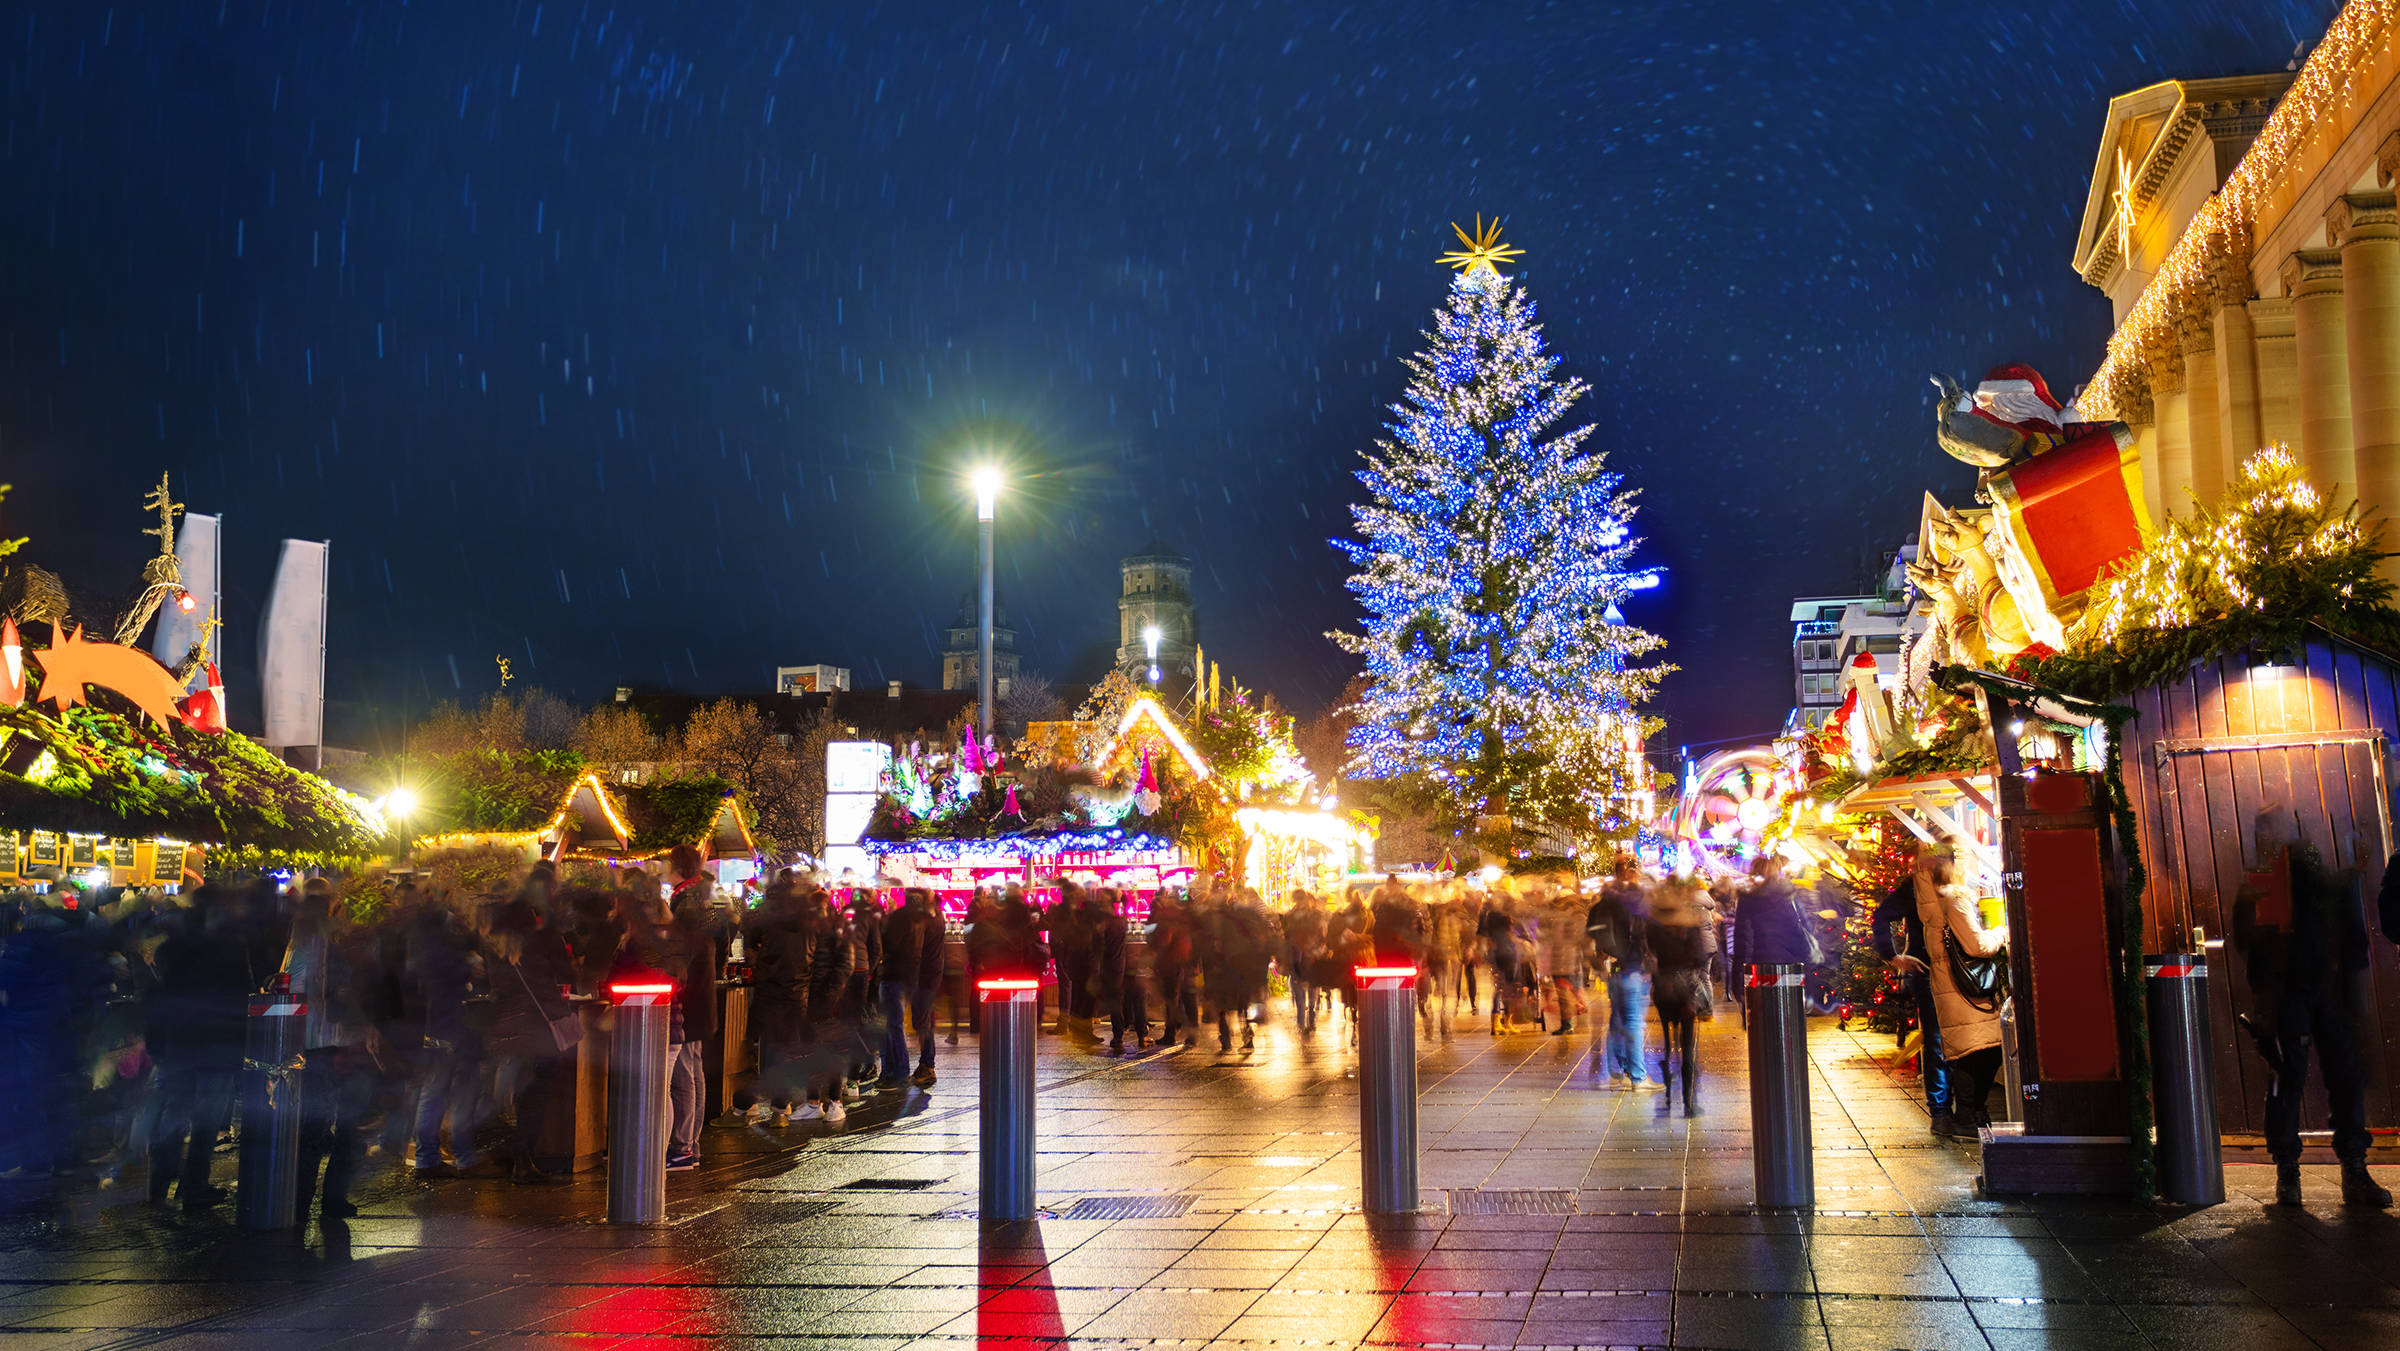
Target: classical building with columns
(2244, 229)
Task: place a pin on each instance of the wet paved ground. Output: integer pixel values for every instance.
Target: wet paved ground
(1208, 1199)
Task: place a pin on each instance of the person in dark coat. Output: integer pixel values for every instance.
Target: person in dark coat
(1772, 928)
(1173, 960)
(196, 1031)
(1900, 937)
(2304, 972)
(1115, 977)
(912, 966)
(779, 944)
(1238, 977)
(1679, 932)
(531, 967)
(1069, 925)
(696, 1020)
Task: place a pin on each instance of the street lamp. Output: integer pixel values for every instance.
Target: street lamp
(987, 492)
(1150, 637)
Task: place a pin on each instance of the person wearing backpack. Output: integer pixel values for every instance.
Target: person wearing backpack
(1615, 923)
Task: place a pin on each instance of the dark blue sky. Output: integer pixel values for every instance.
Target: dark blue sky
(647, 342)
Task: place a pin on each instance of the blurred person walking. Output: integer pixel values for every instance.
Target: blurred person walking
(912, 964)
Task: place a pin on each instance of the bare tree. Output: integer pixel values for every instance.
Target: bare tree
(614, 737)
(783, 777)
(1031, 698)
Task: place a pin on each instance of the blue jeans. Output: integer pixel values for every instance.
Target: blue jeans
(1628, 1007)
(917, 1002)
(1929, 1051)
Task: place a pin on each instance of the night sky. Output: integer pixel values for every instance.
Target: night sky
(648, 343)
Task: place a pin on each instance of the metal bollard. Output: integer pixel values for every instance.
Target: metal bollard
(2191, 1164)
(638, 1111)
(1387, 1088)
(1012, 1014)
(1782, 1141)
(268, 1168)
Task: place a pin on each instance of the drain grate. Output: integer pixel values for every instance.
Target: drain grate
(786, 1212)
(1164, 1207)
(1503, 1201)
(889, 1184)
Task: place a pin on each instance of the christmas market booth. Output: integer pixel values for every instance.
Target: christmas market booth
(125, 781)
(588, 820)
(2142, 735)
(1148, 813)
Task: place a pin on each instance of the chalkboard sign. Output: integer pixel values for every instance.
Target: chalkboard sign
(9, 862)
(45, 849)
(83, 851)
(169, 869)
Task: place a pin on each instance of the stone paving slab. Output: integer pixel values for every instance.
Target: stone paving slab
(1623, 1223)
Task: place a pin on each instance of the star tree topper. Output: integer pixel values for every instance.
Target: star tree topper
(1483, 252)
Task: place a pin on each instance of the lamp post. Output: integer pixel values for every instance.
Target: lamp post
(1150, 637)
(987, 491)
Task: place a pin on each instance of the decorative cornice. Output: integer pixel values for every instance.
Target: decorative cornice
(2387, 161)
(2312, 272)
(2362, 216)
(2164, 362)
(2133, 403)
(2228, 261)
(2196, 333)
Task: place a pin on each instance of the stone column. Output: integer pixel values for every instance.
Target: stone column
(2173, 446)
(2197, 337)
(2278, 371)
(2321, 346)
(2365, 226)
(2238, 431)
(2136, 410)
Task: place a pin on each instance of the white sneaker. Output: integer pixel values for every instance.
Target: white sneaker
(1648, 1086)
(759, 1113)
(850, 1093)
(808, 1111)
(1618, 1083)
(834, 1115)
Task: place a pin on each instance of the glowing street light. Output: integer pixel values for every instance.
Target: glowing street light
(986, 480)
(1150, 637)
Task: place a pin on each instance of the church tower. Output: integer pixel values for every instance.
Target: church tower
(1158, 592)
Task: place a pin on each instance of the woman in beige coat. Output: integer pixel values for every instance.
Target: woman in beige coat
(1970, 1031)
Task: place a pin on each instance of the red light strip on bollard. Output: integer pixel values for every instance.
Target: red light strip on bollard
(1768, 980)
(1008, 990)
(1008, 984)
(640, 994)
(1385, 972)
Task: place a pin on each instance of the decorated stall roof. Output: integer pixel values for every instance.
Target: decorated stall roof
(91, 770)
(595, 819)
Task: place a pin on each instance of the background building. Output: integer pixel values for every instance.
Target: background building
(811, 679)
(1158, 591)
(2244, 229)
(1829, 631)
(962, 661)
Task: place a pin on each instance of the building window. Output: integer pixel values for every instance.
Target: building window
(1886, 643)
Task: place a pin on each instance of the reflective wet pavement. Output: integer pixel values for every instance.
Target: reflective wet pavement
(1198, 1198)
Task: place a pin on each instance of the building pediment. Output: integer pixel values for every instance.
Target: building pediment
(2149, 137)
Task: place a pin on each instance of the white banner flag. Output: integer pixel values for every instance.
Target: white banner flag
(292, 648)
(196, 561)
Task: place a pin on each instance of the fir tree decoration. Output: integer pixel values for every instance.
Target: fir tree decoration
(2275, 546)
(1491, 558)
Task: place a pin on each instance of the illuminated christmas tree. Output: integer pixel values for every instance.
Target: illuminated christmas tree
(1491, 558)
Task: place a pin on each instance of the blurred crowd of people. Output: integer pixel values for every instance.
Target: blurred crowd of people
(1538, 950)
(441, 1030)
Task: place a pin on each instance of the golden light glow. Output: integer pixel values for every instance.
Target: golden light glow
(1483, 248)
(1147, 709)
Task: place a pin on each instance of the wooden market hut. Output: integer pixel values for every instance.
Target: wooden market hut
(2298, 740)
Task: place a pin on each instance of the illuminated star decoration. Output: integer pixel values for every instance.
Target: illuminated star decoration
(1483, 252)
